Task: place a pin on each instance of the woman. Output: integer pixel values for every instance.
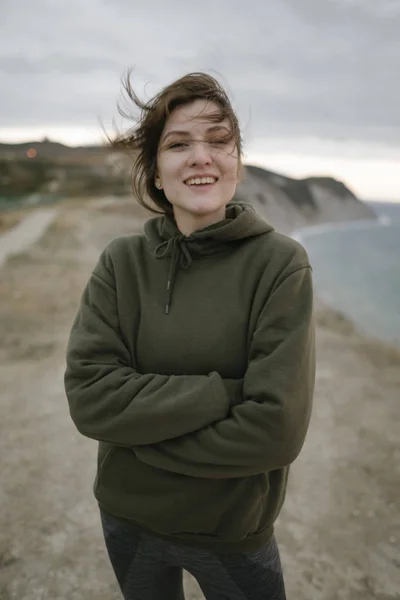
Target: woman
(191, 361)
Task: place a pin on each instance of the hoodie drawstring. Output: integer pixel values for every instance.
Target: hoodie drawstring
(177, 247)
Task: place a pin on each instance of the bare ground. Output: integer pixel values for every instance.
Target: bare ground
(339, 531)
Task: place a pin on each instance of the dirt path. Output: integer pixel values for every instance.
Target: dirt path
(28, 231)
(339, 532)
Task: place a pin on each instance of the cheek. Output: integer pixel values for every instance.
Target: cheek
(169, 170)
(230, 167)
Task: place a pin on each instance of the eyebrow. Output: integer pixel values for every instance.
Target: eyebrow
(185, 133)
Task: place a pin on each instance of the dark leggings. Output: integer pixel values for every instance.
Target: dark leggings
(148, 568)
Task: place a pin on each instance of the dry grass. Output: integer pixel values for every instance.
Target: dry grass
(379, 353)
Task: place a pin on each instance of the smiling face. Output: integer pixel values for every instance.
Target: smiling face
(197, 165)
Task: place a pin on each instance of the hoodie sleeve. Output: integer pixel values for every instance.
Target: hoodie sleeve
(266, 431)
(110, 401)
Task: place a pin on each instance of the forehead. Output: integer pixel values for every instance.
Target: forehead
(198, 113)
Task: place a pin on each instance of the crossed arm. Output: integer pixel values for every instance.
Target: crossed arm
(266, 431)
(197, 425)
(111, 402)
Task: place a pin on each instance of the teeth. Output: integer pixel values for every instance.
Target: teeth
(200, 180)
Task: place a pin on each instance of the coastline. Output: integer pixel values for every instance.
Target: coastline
(339, 531)
(378, 350)
(356, 270)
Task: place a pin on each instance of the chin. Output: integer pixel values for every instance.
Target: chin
(204, 206)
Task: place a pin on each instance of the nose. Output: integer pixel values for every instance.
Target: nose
(200, 154)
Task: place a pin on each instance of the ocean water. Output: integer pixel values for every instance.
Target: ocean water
(356, 269)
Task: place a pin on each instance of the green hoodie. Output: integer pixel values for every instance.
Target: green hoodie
(191, 360)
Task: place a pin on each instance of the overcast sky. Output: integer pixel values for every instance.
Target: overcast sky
(316, 83)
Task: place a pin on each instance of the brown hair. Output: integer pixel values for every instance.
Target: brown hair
(143, 138)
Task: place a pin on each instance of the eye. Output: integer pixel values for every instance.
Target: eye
(177, 145)
(220, 141)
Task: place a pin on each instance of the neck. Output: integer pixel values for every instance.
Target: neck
(188, 223)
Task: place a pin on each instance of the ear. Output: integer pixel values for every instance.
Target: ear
(157, 183)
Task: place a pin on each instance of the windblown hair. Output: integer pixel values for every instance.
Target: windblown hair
(143, 138)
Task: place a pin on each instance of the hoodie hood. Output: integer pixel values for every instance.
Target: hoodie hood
(167, 242)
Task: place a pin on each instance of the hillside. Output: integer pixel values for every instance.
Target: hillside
(288, 203)
(338, 530)
(49, 150)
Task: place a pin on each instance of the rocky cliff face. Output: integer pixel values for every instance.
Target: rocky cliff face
(290, 204)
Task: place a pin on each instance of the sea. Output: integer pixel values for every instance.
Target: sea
(356, 268)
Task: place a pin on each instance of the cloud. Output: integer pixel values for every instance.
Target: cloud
(19, 64)
(294, 69)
